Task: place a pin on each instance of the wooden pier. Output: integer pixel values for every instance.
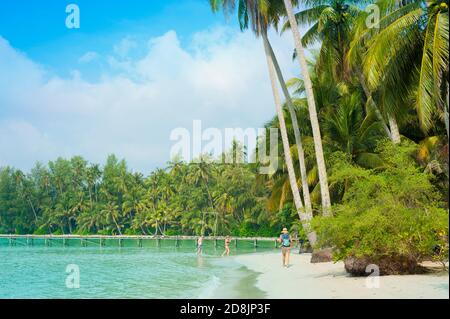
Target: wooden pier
(100, 240)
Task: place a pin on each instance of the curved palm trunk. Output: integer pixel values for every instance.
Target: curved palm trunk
(216, 223)
(117, 225)
(162, 233)
(368, 95)
(298, 138)
(156, 229)
(446, 113)
(395, 133)
(32, 208)
(203, 224)
(304, 218)
(392, 130)
(323, 179)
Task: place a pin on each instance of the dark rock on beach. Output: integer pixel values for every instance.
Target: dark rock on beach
(322, 256)
(386, 266)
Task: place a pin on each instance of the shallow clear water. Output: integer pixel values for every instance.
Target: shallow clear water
(39, 271)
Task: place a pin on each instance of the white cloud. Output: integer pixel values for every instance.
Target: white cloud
(17, 135)
(124, 46)
(88, 57)
(220, 78)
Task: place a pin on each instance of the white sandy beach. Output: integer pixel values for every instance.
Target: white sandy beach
(329, 280)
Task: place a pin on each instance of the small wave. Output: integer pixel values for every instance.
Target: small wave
(209, 288)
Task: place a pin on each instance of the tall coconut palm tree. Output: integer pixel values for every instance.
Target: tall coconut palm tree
(260, 14)
(271, 12)
(323, 179)
(305, 218)
(111, 213)
(21, 183)
(298, 138)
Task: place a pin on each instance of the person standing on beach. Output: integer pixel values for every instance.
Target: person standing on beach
(199, 245)
(285, 240)
(227, 246)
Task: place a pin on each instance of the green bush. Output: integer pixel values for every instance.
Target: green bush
(248, 229)
(130, 231)
(173, 232)
(105, 232)
(392, 213)
(390, 230)
(41, 231)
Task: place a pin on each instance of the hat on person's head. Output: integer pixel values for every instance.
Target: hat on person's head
(284, 230)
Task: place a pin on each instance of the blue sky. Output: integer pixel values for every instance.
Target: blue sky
(133, 72)
(37, 27)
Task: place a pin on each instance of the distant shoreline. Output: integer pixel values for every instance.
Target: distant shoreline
(304, 280)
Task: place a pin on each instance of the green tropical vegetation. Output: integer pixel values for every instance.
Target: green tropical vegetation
(75, 197)
(363, 152)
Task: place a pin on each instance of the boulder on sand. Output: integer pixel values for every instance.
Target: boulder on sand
(396, 265)
(322, 255)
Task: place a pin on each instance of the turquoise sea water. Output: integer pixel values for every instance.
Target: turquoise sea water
(110, 271)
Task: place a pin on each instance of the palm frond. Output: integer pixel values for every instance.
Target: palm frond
(424, 102)
(306, 17)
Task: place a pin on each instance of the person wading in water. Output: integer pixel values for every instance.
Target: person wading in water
(285, 240)
(200, 245)
(227, 246)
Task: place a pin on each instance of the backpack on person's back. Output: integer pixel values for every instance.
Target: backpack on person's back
(285, 240)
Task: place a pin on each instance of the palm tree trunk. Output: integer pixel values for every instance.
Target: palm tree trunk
(446, 112)
(203, 224)
(395, 133)
(117, 225)
(298, 138)
(90, 197)
(391, 130)
(323, 179)
(304, 218)
(368, 94)
(216, 223)
(156, 229)
(162, 233)
(32, 208)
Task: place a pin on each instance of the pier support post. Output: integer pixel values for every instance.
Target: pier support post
(235, 243)
(177, 242)
(120, 242)
(255, 243)
(140, 242)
